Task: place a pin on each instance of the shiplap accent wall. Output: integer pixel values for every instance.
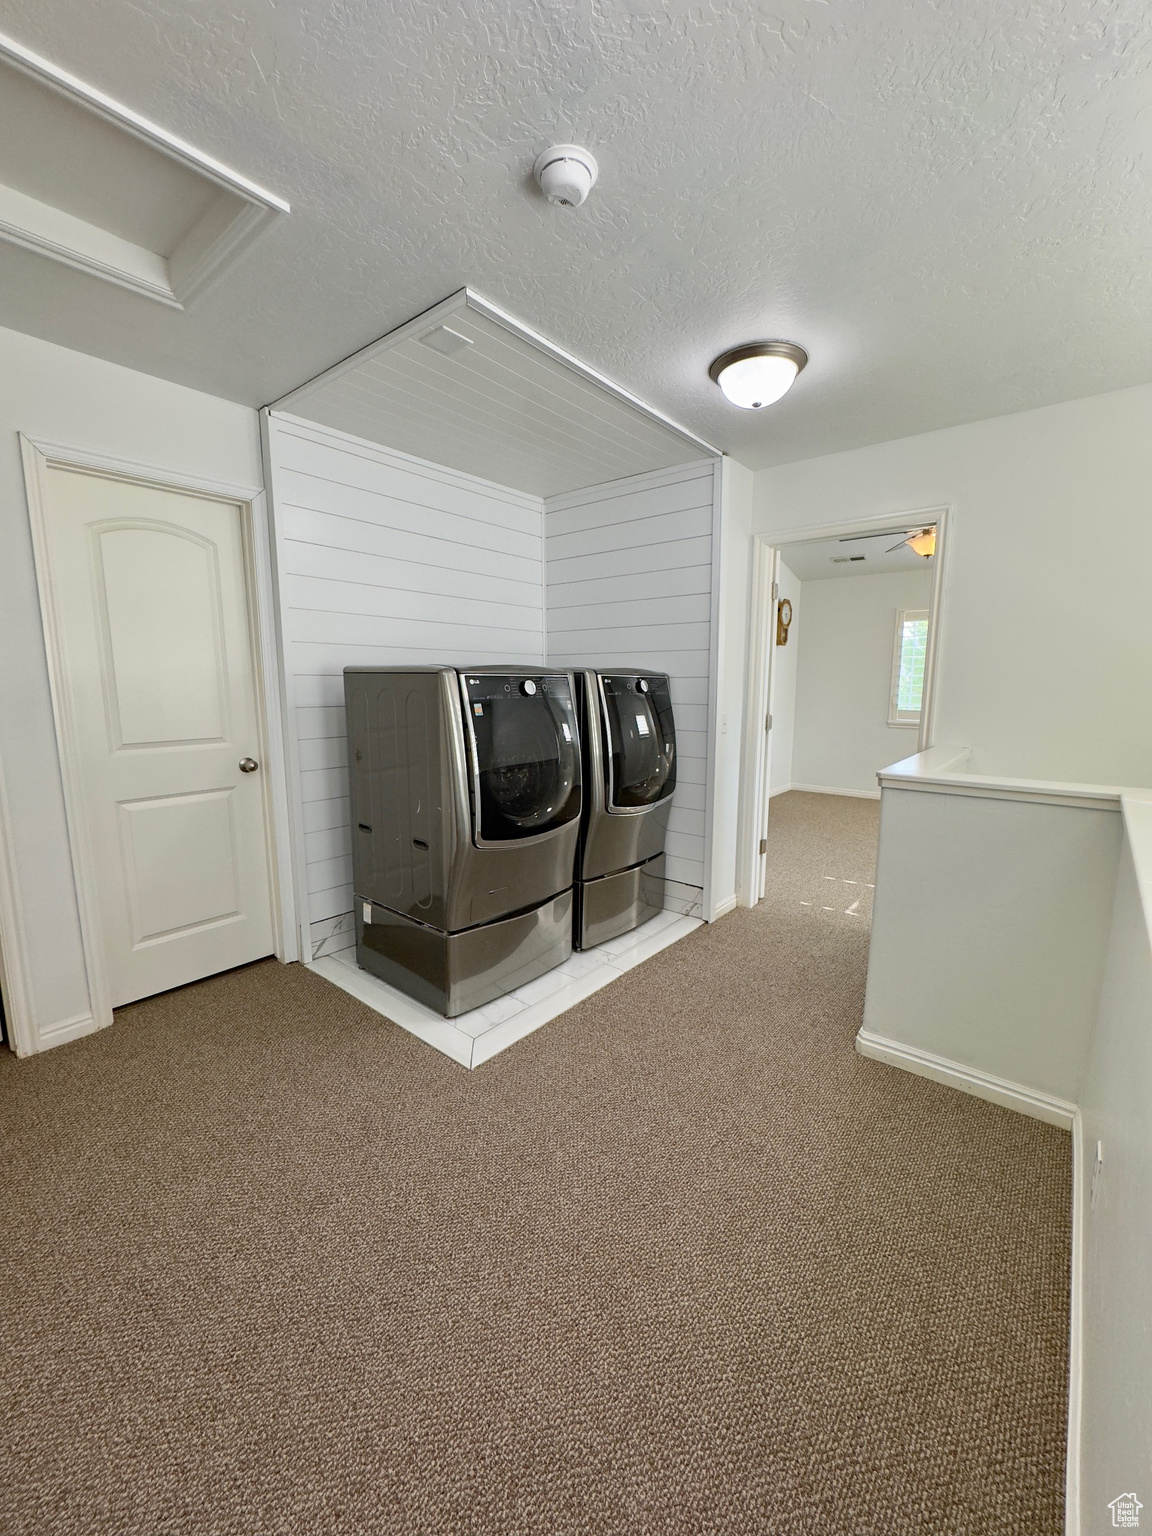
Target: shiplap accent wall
(384, 560)
(629, 583)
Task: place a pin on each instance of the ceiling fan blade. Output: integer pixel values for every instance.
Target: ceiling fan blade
(884, 533)
(902, 545)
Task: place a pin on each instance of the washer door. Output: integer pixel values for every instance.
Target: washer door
(525, 752)
(641, 740)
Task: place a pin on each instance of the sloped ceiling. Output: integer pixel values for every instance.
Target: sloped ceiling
(947, 204)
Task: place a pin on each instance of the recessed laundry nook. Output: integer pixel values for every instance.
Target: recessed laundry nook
(547, 584)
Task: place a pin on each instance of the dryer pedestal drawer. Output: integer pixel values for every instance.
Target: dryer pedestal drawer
(456, 972)
(616, 904)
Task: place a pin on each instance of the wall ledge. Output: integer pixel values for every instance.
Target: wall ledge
(940, 771)
(982, 1085)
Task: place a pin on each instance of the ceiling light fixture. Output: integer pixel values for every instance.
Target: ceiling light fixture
(923, 543)
(758, 374)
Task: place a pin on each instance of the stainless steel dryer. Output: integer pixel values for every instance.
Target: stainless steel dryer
(466, 792)
(629, 742)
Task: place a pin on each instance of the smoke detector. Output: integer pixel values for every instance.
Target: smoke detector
(566, 174)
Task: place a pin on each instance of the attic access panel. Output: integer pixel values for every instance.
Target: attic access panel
(467, 386)
(87, 182)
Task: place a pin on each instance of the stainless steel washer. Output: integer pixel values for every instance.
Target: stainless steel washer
(465, 800)
(629, 742)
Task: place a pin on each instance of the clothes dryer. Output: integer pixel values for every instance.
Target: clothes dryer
(465, 806)
(629, 744)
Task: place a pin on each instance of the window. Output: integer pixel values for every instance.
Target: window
(908, 666)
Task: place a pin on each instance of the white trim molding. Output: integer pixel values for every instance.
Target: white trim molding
(38, 457)
(713, 745)
(15, 971)
(954, 1074)
(751, 865)
(295, 869)
(229, 224)
(829, 789)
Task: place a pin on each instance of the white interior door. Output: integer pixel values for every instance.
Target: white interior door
(154, 633)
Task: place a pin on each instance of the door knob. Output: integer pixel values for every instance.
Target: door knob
(248, 765)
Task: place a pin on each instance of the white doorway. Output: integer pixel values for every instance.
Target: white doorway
(855, 726)
(147, 594)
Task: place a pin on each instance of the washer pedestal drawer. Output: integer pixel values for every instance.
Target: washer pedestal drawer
(456, 972)
(615, 904)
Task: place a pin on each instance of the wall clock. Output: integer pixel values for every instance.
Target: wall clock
(783, 619)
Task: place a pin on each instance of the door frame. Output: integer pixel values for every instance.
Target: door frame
(39, 457)
(14, 969)
(767, 551)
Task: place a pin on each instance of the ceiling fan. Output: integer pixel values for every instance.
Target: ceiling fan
(922, 541)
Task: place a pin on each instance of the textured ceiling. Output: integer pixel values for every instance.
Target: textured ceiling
(947, 204)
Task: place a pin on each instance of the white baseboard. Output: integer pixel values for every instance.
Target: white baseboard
(68, 1029)
(782, 790)
(1080, 1178)
(982, 1085)
(721, 907)
(827, 789)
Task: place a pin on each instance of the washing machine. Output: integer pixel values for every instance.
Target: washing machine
(465, 807)
(629, 747)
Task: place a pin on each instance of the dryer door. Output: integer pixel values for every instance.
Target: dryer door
(641, 741)
(525, 751)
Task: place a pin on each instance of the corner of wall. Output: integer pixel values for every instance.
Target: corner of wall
(731, 595)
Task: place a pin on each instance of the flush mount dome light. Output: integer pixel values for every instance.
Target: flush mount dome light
(759, 373)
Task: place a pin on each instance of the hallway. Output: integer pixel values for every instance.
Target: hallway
(680, 1262)
(822, 857)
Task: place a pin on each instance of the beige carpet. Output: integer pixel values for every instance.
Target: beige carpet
(680, 1262)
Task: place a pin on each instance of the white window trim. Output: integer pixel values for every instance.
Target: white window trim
(905, 717)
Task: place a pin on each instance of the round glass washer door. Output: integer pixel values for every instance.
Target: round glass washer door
(525, 752)
(641, 740)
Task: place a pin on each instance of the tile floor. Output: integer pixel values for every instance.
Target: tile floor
(478, 1036)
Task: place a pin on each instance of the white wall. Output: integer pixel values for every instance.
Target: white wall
(732, 591)
(53, 394)
(630, 583)
(384, 561)
(1115, 1337)
(1046, 635)
(785, 662)
(989, 932)
(844, 676)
